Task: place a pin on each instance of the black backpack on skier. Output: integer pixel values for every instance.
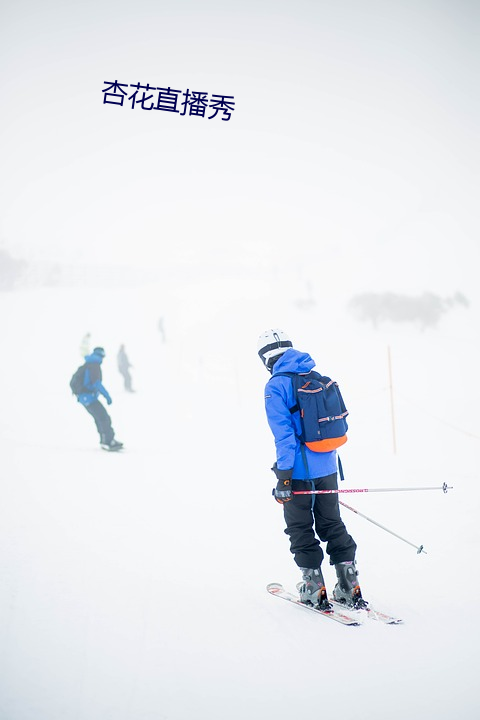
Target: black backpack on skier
(77, 382)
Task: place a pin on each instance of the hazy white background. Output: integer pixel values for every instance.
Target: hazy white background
(354, 136)
(349, 165)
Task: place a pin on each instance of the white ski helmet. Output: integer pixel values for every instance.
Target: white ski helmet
(271, 344)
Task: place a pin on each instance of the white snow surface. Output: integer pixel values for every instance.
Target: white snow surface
(132, 585)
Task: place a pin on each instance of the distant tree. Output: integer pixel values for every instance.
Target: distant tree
(10, 270)
(427, 309)
(458, 298)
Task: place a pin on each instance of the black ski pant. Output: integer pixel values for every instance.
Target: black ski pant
(310, 517)
(102, 421)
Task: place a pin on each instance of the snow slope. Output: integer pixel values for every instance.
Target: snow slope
(133, 585)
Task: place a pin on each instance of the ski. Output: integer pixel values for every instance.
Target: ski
(337, 614)
(371, 613)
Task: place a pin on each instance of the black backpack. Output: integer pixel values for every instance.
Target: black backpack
(78, 378)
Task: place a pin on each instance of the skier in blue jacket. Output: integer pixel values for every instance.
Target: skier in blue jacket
(93, 387)
(309, 518)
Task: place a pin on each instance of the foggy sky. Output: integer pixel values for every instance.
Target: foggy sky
(354, 136)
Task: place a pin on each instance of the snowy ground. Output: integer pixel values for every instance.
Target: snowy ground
(133, 585)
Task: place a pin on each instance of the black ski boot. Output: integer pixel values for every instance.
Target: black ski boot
(112, 446)
(347, 590)
(312, 589)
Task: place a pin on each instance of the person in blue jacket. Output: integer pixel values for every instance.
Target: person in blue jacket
(92, 388)
(309, 518)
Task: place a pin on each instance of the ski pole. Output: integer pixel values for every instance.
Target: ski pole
(443, 487)
(419, 548)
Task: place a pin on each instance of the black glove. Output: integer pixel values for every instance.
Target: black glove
(283, 492)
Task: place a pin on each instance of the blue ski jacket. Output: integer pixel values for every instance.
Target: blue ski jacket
(285, 426)
(93, 381)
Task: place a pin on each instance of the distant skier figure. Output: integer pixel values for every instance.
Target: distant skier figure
(124, 368)
(85, 345)
(87, 385)
(304, 466)
(161, 329)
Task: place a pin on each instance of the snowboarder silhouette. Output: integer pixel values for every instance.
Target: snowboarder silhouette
(124, 366)
(87, 395)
